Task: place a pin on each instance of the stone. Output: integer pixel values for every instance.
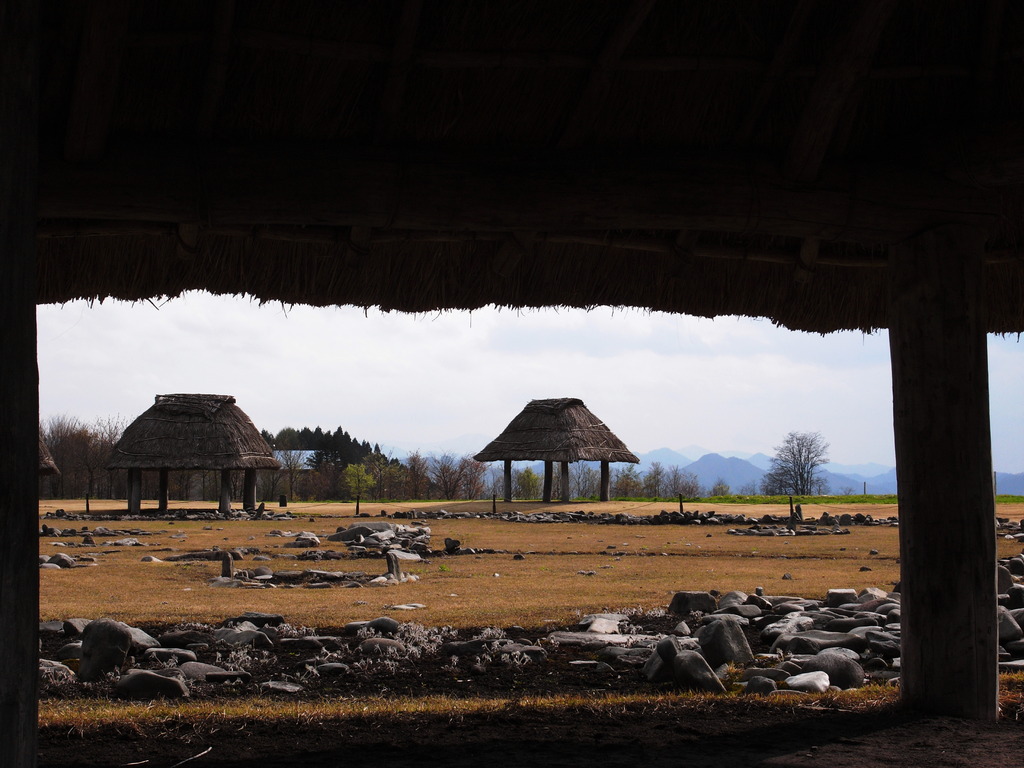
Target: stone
(685, 603)
(760, 686)
(299, 644)
(815, 640)
(242, 637)
(656, 670)
(332, 669)
(105, 646)
(809, 682)
(141, 641)
(836, 597)
(280, 686)
(54, 672)
(732, 599)
(1004, 579)
(384, 625)
(71, 650)
(177, 655)
(185, 638)
(382, 646)
(670, 646)
(144, 684)
(257, 619)
(690, 671)
(723, 642)
(198, 670)
(842, 672)
(1009, 629)
(62, 561)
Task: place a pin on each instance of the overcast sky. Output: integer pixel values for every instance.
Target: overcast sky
(455, 379)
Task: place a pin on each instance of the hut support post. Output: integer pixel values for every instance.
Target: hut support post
(941, 417)
(564, 477)
(606, 481)
(225, 491)
(508, 479)
(249, 489)
(548, 472)
(134, 491)
(19, 386)
(162, 493)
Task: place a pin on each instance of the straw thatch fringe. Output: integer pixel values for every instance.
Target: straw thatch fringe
(193, 432)
(47, 466)
(560, 429)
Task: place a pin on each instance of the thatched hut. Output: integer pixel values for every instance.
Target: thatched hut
(559, 429)
(193, 432)
(47, 466)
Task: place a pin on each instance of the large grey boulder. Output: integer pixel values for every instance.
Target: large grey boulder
(809, 682)
(144, 684)
(105, 646)
(842, 672)
(685, 603)
(760, 686)
(816, 640)
(690, 670)
(1009, 629)
(723, 642)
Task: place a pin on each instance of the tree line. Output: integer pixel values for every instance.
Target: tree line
(319, 465)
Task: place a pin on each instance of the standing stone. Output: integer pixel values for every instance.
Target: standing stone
(691, 671)
(105, 646)
(685, 603)
(843, 672)
(723, 642)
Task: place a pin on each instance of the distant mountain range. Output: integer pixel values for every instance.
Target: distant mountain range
(739, 470)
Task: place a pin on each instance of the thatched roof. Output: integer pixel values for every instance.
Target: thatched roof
(560, 429)
(47, 466)
(193, 432)
(708, 158)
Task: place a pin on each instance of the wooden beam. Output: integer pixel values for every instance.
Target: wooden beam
(988, 56)
(783, 59)
(393, 93)
(327, 186)
(225, 492)
(217, 69)
(134, 491)
(941, 418)
(161, 494)
(249, 489)
(564, 480)
(508, 479)
(99, 64)
(548, 472)
(581, 119)
(606, 481)
(849, 63)
(19, 386)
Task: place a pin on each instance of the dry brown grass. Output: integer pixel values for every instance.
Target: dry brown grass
(463, 591)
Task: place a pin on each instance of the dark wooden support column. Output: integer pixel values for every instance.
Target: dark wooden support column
(548, 471)
(564, 477)
(134, 491)
(225, 491)
(606, 481)
(19, 384)
(944, 464)
(162, 492)
(249, 489)
(508, 479)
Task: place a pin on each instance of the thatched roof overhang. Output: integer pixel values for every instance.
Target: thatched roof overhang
(47, 466)
(185, 432)
(559, 429)
(459, 154)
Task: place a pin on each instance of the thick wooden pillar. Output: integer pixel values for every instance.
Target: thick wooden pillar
(249, 489)
(134, 491)
(19, 384)
(548, 471)
(606, 481)
(225, 491)
(162, 492)
(564, 477)
(508, 479)
(937, 342)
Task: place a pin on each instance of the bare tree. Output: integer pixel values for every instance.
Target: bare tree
(626, 482)
(417, 476)
(473, 477)
(794, 468)
(682, 482)
(654, 480)
(585, 479)
(446, 472)
(720, 487)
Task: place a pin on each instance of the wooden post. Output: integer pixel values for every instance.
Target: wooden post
(680, 503)
(548, 471)
(19, 384)
(494, 503)
(162, 492)
(937, 343)
(357, 505)
(134, 491)
(249, 489)
(508, 479)
(606, 481)
(225, 492)
(565, 480)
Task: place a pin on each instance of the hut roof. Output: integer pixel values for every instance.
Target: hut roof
(560, 429)
(47, 466)
(193, 432)
(708, 158)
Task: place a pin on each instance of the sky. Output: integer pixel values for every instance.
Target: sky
(454, 380)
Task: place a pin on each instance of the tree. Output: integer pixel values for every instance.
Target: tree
(586, 480)
(683, 483)
(794, 468)
(417, 476)
(626, 482)
(357, 480)
(654, 481)
(720, 488)
(446, 471)
(525, 484)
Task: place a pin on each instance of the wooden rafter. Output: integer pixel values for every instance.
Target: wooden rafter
(837, 79)
(988, 55)
(99, 64)
(393, 92)
(582, 117)
(315, 185)
(217, 70)
(781, 63)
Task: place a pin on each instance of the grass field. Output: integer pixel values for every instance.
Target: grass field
(633, 566)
